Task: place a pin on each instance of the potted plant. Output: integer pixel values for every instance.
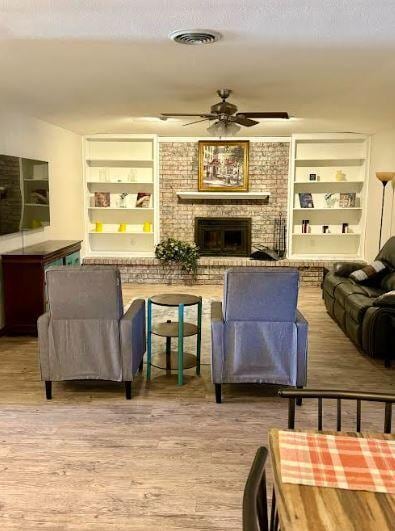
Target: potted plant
(184, 254)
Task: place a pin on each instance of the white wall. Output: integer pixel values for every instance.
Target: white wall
(382, 158)
(24, 136)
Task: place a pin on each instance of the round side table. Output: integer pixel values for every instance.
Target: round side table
(178, 329)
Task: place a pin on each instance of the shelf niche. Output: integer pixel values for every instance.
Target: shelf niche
(325, 155)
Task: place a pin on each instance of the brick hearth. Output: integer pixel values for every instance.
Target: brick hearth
(210, 271)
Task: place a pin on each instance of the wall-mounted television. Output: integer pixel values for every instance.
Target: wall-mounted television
(24, 194)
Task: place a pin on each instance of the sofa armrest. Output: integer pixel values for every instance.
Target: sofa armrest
(378, 337)
(43, 345)
(132, 338)
(386, 300)
(217, 340)
(344, 269)
(302, 327)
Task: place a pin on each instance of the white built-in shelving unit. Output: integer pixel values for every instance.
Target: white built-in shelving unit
(121, 166)
(325, 155)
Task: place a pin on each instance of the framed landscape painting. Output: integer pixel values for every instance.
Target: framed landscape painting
(223, 166)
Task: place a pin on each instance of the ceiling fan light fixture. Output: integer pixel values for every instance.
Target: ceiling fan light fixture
(220, 129)
(195, 36)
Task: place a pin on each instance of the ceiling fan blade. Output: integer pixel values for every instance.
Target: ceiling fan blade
(267, 115)
(242, 120)
(165, 115)
(197, 122)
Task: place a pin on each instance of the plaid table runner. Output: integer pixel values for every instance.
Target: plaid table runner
(337, 461)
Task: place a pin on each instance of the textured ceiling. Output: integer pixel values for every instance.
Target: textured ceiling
(104, 65)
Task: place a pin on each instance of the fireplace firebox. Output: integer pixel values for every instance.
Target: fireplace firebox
(223, 236)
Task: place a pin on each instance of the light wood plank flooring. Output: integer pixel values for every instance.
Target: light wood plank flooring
(169, 459)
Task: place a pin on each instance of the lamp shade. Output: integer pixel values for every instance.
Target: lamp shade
(385, 176)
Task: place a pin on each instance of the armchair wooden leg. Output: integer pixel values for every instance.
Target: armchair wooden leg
(48, 390)
(218, 393)
(128, 390)
(141, 366)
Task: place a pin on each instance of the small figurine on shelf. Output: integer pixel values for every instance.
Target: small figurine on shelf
(340, 176)
(122, 227)
(344, 228)
(325, 229)
(123, 200)
(331, 199)
(305, 226)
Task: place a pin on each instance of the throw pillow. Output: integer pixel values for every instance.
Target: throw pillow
(387, 299)
(344, 269)
(368, 272)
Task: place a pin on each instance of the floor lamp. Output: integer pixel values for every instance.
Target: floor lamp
(385, 177)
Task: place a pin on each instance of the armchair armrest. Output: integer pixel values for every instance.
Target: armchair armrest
(302, 327)
(217, 338)
(43, 345)
(132, 338)
(344, 269)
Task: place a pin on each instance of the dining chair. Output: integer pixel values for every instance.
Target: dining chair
(295, 396)
(255, 517)
(255, 498)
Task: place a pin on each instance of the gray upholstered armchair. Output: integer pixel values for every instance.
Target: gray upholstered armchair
(85, 334)
(259, 336)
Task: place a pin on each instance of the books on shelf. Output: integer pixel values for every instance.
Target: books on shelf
(143, 200)
(347, 200)
(306, 200)
(102, 199)
(121, 200)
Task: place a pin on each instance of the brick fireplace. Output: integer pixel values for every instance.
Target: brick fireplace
(268, 172)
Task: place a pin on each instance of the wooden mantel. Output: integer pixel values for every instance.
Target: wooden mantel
(223, 195)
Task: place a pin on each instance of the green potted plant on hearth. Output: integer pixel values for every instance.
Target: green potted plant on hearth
(176, 252)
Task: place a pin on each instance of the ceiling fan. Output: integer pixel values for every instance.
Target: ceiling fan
(227, 119)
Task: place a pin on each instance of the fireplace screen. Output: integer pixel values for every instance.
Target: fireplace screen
(223, 236)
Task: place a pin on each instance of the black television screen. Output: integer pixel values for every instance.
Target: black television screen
(24, 194)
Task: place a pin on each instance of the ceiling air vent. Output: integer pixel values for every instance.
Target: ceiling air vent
(195, 36)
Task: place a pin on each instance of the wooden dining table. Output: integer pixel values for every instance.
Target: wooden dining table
(305, 508)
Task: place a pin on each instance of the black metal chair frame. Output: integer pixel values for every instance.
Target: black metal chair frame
(255, 498)
(255, 517)
(321, 394)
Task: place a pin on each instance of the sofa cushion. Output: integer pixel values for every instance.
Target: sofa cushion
(356, 306)
(345, 289)
(331, 281)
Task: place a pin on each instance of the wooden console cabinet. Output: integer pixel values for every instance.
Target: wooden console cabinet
(24, 282)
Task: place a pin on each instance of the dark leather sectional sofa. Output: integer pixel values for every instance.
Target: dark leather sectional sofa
(355, 307)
